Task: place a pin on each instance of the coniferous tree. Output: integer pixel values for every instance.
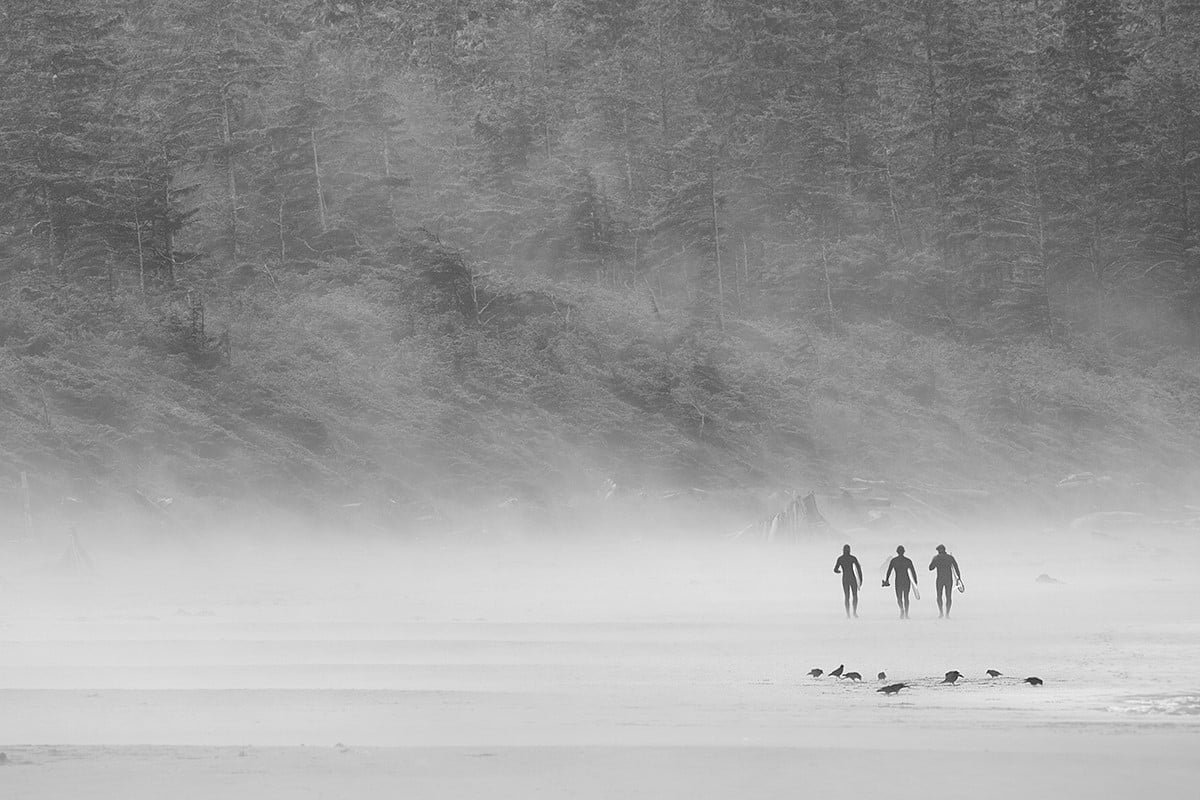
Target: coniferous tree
(1089, 181)
(218, 57)
(1165, 87)
(59, 143)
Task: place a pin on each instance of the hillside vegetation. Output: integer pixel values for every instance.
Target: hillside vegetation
(429, 267)
(362, 384)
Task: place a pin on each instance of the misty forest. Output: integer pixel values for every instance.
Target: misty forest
(472, 398)
(429, 266)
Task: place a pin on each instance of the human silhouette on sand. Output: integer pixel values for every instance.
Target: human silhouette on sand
(903, 567)
(947, 573)
(852, 578)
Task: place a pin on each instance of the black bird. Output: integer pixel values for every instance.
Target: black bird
(952, 676)
(883, 676)
(994, 673)
(837, 673)
(854, 676)
(1034, 681)
(816, 673)
(892, 688)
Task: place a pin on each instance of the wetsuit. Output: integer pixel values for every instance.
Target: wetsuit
(947, 570)
(848, 565)
(903, 567)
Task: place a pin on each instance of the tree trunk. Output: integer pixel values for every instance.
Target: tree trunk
(662, 82)
(282, 240)
(168, 234)
(828, 288)
(628, 155)
(312, 138)
(716, 228)
(137, 224)
(230, 176)
(546, 93)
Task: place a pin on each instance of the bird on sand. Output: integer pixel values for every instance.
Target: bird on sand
(816, 673)
(892, 688)
(1034, 681)
(952, 676)
(883, 676)
(994, 673)
(854, 676)
(837, 673)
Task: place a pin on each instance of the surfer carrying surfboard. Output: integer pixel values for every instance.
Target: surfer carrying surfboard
(902, 565)
(948, 575)
(852, 578)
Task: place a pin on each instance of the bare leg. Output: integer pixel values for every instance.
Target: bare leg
(944, 589)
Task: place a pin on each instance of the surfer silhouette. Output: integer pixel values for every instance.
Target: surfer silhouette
(947, 574)
(903, 567)
(852, 578)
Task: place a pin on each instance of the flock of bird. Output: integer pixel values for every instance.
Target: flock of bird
(894, 688)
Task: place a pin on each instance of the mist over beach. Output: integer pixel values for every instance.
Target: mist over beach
(473, 399)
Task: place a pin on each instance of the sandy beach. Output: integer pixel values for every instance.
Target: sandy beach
(625, 668)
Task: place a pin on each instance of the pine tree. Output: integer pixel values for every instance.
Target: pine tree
(688, 224)
(58, 152)
(215, 57)
(1090, 180)
(1165, 86)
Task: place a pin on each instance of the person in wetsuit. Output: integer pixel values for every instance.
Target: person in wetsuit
(848, 565)
(947, 573)
(903, 567)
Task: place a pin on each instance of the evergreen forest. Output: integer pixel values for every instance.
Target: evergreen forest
(422, 265)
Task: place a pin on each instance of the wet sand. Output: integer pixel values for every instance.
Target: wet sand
(624, 668)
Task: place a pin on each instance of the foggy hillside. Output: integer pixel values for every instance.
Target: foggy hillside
(428, 267)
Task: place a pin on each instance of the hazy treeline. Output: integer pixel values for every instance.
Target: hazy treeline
(451, 242)
(932, 159)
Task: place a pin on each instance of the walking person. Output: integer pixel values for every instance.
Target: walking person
(947, 575)
(903, 567)
(848, 566)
